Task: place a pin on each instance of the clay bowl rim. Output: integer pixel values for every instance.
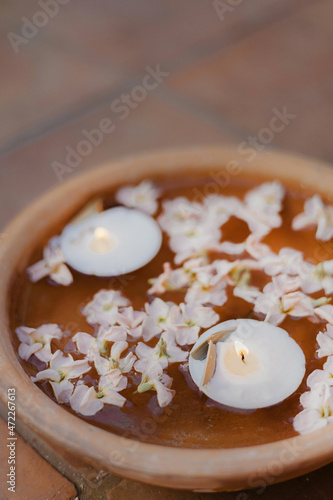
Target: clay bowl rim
(162, 465)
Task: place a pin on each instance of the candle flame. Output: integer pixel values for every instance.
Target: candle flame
(102, 241)
(101, 233)
(241, 350)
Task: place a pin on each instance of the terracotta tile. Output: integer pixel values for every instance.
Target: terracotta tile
(135, 34)
(35, 478)
(12, 13)
(27, 173)
(84, 51)
(41, 83)
(288, 64)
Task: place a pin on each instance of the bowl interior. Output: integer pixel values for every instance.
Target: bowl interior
(129, 457)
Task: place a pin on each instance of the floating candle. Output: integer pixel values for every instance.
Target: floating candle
(257, 365)
(114, 242)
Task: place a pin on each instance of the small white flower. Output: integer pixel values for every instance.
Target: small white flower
(191, 227)
(280, 299)
(238, 275)
(316, 214)
(220, 208)
(143, 197)
(191, 318)
(322, 376)
(282, 284)
(52, 265)
(170, 279)
(261, 208)
(256, 248)
(154, 378)
(160, 316)
(318, 409)
(105, 364)
(197, 278)
(233, 273)
(248, 293)
(267, 198)
(287, 261)
(90, 345)
(325, 341)
(103, 309)
(61, 370)
(165, 352)
(179, 214)
(217, 273)
(195, 241)
(87, 401)
(320, 277)
(131, 321)
(252, 245)
(325, 311)
(297, 305)
(37, 341)
(201, 294)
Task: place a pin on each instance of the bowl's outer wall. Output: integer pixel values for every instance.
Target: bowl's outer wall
(202, 469)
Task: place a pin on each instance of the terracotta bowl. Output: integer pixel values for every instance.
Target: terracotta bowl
(193, 469)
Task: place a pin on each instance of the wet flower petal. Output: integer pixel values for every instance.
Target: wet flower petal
(52, 265)
(143, 197)
(325, 341)
(104, 308)
(154, 378)
(37, 341)
(318, 409)
(316, 214)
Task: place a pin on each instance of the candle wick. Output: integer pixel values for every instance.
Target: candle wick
(243, 356)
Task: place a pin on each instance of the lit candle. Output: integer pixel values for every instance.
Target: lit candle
(117, 241)
(103, 241)
(257, 365)
(239, 360)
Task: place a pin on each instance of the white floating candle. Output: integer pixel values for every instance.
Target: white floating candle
(117, 241)
(257, 365)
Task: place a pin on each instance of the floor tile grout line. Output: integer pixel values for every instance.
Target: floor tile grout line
(200, 111)
(53, 124)
(84, 487)
(45, 128)
(214, 46)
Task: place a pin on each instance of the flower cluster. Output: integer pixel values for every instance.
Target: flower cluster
(195, 229)
(52, 265)
(128, 343)
(318, 402)
(184, 322)
(109, 352)
(287, 294)
(205, 283)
